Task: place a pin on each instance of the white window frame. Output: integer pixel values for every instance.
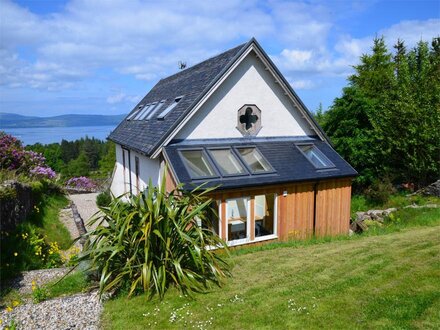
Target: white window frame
(247, 239)
(275, 221)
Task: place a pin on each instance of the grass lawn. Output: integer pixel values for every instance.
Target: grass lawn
(369, 281)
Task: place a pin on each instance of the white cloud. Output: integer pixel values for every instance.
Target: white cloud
(143, 38)
(121, 97)
(146, 39)
(302, 84)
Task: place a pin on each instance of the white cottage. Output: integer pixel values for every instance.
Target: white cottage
(234, 121)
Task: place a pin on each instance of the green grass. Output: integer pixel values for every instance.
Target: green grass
(369, 281)
(361, 203)
(46, 218)
(75, 282)
(18, 248)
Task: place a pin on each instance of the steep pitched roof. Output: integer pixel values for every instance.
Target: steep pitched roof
(146, 135)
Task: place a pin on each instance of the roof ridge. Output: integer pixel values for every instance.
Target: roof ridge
(203, 62)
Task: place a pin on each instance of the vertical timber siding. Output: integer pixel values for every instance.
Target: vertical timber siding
(297, 217)
(299, 211)
(333, 207)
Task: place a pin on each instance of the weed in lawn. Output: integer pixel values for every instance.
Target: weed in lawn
(39, 294)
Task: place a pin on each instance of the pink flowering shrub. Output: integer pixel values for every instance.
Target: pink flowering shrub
(14, 157)
(81, 182)
(43, 172)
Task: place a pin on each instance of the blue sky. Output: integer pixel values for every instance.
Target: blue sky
(84, 56)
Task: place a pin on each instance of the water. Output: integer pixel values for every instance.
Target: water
(46, 135)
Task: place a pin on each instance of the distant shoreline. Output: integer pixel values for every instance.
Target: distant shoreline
(48, 135)
(15, 121)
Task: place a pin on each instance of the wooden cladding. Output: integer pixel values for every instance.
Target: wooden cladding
(303, 209)
(333, 208)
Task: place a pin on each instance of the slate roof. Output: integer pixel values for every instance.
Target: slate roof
(289, 163)
(145, 136)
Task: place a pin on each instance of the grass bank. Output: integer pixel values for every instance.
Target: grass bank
(36, 242)
(369, 281)
(399, 200)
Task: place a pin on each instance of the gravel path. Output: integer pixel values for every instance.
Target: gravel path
(80, 311)
(23, 283)
(86, 204)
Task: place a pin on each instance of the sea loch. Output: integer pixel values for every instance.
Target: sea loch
(46, 135)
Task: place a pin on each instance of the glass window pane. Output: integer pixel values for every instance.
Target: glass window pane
(315, 156)
(197, 164)
(237, 210)
(227, 162)
(254, 160)
(264, 215)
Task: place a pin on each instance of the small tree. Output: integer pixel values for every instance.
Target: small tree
(152, 242)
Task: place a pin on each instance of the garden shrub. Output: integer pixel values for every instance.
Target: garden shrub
(13, 157)
(104, 198)
(81, 183)
(27, 249)
(380, 191)
(152, 241)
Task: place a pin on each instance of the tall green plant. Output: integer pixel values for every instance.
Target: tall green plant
(152, 242)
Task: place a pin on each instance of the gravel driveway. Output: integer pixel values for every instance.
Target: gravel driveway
(86, 204)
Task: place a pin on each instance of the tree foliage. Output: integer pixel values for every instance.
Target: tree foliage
(386, 123)
(83, 157)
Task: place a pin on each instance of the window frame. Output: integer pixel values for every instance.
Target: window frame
(146, 112)
(156, 108)
(237, 148)
(318, 152)
(209, 161)
(170, 107)
(247, 239)
(237, 157)
(275, 219)
(135, 112)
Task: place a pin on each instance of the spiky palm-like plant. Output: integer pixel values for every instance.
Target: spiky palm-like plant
(151, 241)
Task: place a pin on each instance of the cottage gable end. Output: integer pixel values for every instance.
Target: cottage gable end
(250, 92)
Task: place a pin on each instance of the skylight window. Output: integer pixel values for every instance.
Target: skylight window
(142, 111)
(227, 162)
(254, 160)
(135, 112)
(148, 108)
(197, 164)
(169, 108)
(155, 109)
(315, 156)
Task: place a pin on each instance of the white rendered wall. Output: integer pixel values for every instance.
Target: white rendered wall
(148, 168)
(249, 83)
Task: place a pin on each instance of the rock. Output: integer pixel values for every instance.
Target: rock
(389, 211)
(432, 190)
(361, 216)
(358, 226)
(427, 206)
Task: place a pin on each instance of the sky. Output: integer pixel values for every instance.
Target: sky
(101, 57)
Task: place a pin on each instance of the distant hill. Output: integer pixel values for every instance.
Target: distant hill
(11, 120)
